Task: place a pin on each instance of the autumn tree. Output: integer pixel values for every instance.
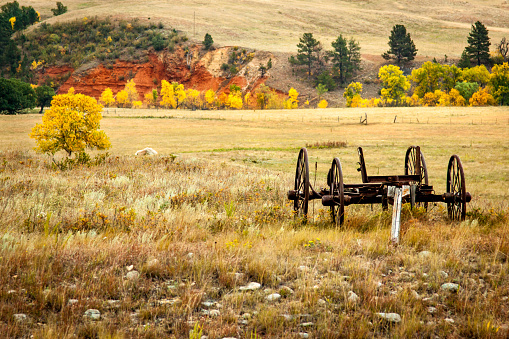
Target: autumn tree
(353, 94)
(151, 98)
(394, 85)
(44, 94)
(71, 124)
(482, 98)
(123, 98)
(401, 46)
(479, 43)
(479, 74)
(308, 50)
(210, 98)
(346, 58)
(130, 88)
(499, 83)
(107, 97)
(292, 101)
(432, 76)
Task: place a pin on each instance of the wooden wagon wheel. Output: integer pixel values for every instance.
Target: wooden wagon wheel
(337, 191)
(300, 205)
(456, 184)
(410, 169)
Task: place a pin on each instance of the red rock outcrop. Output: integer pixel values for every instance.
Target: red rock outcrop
(191, 68)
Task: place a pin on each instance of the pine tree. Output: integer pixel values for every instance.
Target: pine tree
(346, 57)
(402, 47)
(208, 41)
(308, 49)
(478, 44)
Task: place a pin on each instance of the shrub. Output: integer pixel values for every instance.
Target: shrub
(15, 96)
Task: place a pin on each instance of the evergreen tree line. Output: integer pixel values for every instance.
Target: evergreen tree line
(338, 66)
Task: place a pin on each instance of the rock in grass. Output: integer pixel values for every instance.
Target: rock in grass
(71, 302)
(390, 317)
(303, 335)
(20, 317)
(352, 297)
(273, 297)
(252, 286)
(450, 287)
(93, 314)
(132, 275)
(285, 291)
(424, 254)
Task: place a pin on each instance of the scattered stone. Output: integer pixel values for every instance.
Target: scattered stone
(169, 301)
(415, 294)
(424, 254)
(132, 275)
(378, 285)
(134, 317)
(443, 274)
(71, 302)
(207, 304)
(303, 268)
(352, 297)
(146, 151)
(246, 316)
(190, 255)
(252, 286)
(505, 298)
(390, 317)
(450, 287)
(20, 317)
(204, 337)
(287, 317)
(130, 268)
(244, 322)
(321, 302)
(449, 320)
(113, 303)
(214, 313)
(285, 291)
(307, 324)
(273, 297)
(303, 335)
(11, 292)
(93, 314)
(153, 263)
(425, 275)
(432, 310)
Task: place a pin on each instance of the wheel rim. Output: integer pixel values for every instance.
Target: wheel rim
(457, 209)
(337, 191)
(300, 205)
(410, 169)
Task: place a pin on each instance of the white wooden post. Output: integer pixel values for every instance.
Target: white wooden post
(396, 215)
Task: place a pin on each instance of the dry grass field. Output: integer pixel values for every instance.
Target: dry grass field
(161, 246)
(437, 27)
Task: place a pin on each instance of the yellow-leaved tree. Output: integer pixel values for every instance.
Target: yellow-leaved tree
(193, 100)
(323, 104)
(168, 99)
(71, 124)
(132, 93)
(107, 97)
(352, 94)
(292, 101)
(123, 98)
(210, 98)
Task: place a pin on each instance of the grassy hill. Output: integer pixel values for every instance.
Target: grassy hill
(437, 27)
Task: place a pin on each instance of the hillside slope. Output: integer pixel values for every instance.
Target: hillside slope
(437, 27)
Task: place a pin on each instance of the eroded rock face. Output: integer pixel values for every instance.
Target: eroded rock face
(201, 72)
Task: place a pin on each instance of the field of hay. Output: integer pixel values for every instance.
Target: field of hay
(162, 246)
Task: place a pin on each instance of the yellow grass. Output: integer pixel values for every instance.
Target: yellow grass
(436, 27)
(220, 208)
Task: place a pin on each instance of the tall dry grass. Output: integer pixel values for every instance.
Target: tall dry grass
(199, 226)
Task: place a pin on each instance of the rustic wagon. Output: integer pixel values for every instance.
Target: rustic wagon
(412, 187)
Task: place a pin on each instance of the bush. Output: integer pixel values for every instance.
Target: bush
(61, 9)
(15, 96)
